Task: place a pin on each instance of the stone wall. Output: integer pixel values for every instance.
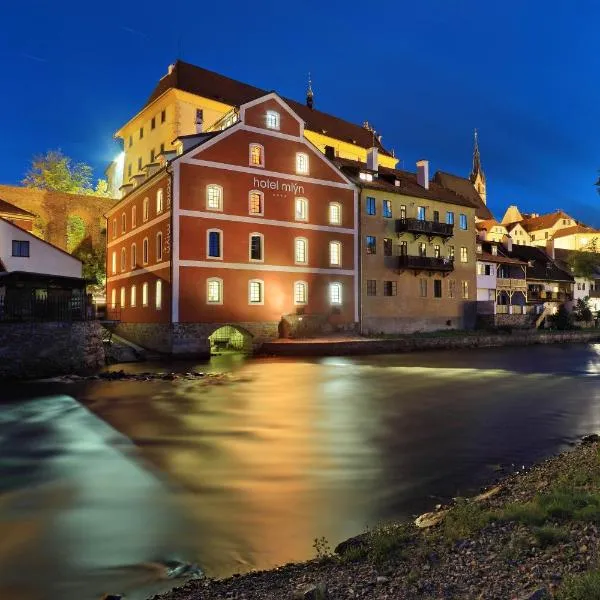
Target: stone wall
(34, 350)
(503, 320)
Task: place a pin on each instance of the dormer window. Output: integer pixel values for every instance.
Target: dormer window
(257, 155)
(479, 249)
(494, 250)
(365, 176)
(272, 119)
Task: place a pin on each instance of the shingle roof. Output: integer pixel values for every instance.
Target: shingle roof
(497, 258)
(575, 229)
(543, 221)
(208, 84)
(463, 187)
(6, 208)
(540, 265)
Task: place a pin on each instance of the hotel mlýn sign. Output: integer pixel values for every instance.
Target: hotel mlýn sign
(278, 186)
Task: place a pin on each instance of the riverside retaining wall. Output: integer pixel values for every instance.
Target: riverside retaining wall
(34, 350)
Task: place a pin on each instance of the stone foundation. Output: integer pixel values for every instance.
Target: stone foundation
(515, 321)
(406, 325)
(34, 350)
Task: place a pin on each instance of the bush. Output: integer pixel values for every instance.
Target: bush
(549, 535)
(465, 519)
(585, 586)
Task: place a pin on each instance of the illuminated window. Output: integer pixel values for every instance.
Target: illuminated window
(122, 297)
(335, 293)
(257, 155)
(113, 298)
(158, 294)
(145, 251)
(214, 291)
(371, 244)
(145, 294)
(301, 209)
(437, 251)
(114, 263)
(114, 228)
(123, 259)
(421, 213)
(256, 247)
(422, 249)
(463, 254)
(450, 217)
(214, 243)
(214, 197)
(159, 201)
(465, 289)
(255, 202)
(335, 254)
(146, 209)
(133, 293)
(403, 211)
(301, 163)
(272, 119)
(301, 251)
(133, 256)
(133, 216)
(451, 252)
(256, 291)
(159, 246)
(335, 213)
(387, 209)
(300, 292)
(123, 223)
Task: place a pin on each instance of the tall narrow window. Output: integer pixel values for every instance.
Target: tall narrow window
(145, 251)
(133, 296)
(255, 202)
(163, 115)
(139, 163)
(114, 228)
(153, 123)
(335, 254)
(450, 218)
(451, 252)
(300, 292)
(451, 288)
(437, 251)
(423, 287)
(387, 209)
(214, 291)
(403, 211)
(152, 156)
(159, 201)
(301, 251)
(403, 248)
(335, 293)
(256, 247)
(113, 298)
(158, 294)
(123, 259)
(465, 289)
(256, 291)
(146, 209)
(371, 287)
(463, 221)
(387, 246)
(422, 249)
(335, 213)
(301, 163)
(214, 243)
(159, 246)
(114, 263)
(371, 244)
(463, 254)
(133, 256)
(436, 216)
(123, 223)
(122, 297)
(257, 155)
(437, 288)
(141, 133)
(421, 213)
(272, 119)
(214, 197)
(133, 216)
(371, 209)
(145, 294)
(301, 209)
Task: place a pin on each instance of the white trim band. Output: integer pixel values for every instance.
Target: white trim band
(140, 271)
(258, 267)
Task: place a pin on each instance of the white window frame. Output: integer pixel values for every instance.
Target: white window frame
(133, 299)
(302, 201)
(302, 166)
(217, 188)
(133, 256)
(114, 228)
(145, 293)
(114, 262)
(304, 284)
(296, 261)
(123, 223)
(113, 298)
(337, 244)
(123, 260)
(262, 203)
(160, 204)
(146, 209)
(158, 294)
(218, 281)
(133, 216)
(332, 285)
(159, 246)
(122, 297)
(220, 232)
(262, 155)
(145, 251)
(262, 247)
(273, 120)
(338, 207)
(262, 292)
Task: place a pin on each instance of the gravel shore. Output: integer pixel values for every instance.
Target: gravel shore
(528, 538)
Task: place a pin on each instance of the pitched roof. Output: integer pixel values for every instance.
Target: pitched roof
(575, 229)
(543, 221)
(488, 224)
(463, 187)
(498, 258)
(409, 185)
(6, 208)
(540, 265)
(208, 84)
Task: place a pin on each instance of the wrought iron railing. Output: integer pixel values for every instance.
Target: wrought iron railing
(425, 227)
(29, 306)
(426, 263)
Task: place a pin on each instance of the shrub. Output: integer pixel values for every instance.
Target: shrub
(465, 519)
(549, 535)
(584, 586)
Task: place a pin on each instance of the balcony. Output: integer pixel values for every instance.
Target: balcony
(426, 263)
(515, 285)
(429, 228)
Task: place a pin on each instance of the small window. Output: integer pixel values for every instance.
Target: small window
(145, 294)
(387, 209)
(335, 293)
(159, 201)
(335, 213)
(133, 296)
(113, 298)
(436, 216)
(422, 249)
(371, 209)
(159, 246)
(389, 288)
(494, 250)
(546, 234)
(257, 155)
(145, 251)
(21, 248)
(123, 223)
(214, 197)
(437, 251)
(122, 297)
(272, 119)
(463, 255)
(371, 244)
(403, 211)
(158, 294)
(452, 288)
(371, 287)
(152, 156)
(403, 248)
(163, 116)
(387, 246)
(129, 170)
(133, 256)
(301, 209)
(214, 243)
(451, 252)
(133, 217)
(162, 148)
(437, 288)
(114, 262)
(300, 292)
(335, 254)
(214, 291)
(465, 289)
(139, 163)
(146, 209)
(141, 133)
(421, 213)
(114, 228)
(301, 251)
(130, 141)
(423, 288)
(153, 123)
(463, 221)
(256, 291)
(302, 163)
(256, 247)
(255, 202)
(123, 259)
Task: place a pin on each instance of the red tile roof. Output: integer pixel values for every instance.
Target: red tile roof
(488, 224)
(543, 221)
(575, 229)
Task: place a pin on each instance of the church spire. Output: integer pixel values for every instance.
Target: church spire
(309, 93)
(477, 175)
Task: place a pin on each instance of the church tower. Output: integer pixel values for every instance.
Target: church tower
(477, 175)
(309, 93)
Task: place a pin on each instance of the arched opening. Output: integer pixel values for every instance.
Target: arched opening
(230, 339)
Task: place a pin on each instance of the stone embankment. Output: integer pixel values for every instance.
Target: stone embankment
(534, 535)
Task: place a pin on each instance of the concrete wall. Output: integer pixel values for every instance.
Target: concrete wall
(34, 350)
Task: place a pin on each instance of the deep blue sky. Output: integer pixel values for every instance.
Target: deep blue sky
(425, 73)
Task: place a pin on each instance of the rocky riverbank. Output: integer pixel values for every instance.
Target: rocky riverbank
(535, 534)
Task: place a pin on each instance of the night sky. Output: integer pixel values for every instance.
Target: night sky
(525, 73)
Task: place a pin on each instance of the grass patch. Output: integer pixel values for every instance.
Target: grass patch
(548, 535)
(381, 545)
(464, 519)
(585, 586)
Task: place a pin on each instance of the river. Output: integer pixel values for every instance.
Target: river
(102, 483)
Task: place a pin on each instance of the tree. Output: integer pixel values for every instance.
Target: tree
(56, 172)
(582, 309)
(585, 264)
(94, 264)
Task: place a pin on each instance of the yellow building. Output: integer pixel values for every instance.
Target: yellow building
(518, 234)
(491, 231)
(190, 99)
(578, 237)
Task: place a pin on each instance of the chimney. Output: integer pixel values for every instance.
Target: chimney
(199, 120)
(170, 69)
(507, 240)
(423, 173)
(550, 249)
(372, 154)
(330, 152)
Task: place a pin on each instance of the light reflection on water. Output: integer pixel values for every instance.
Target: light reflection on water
(246, 475)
